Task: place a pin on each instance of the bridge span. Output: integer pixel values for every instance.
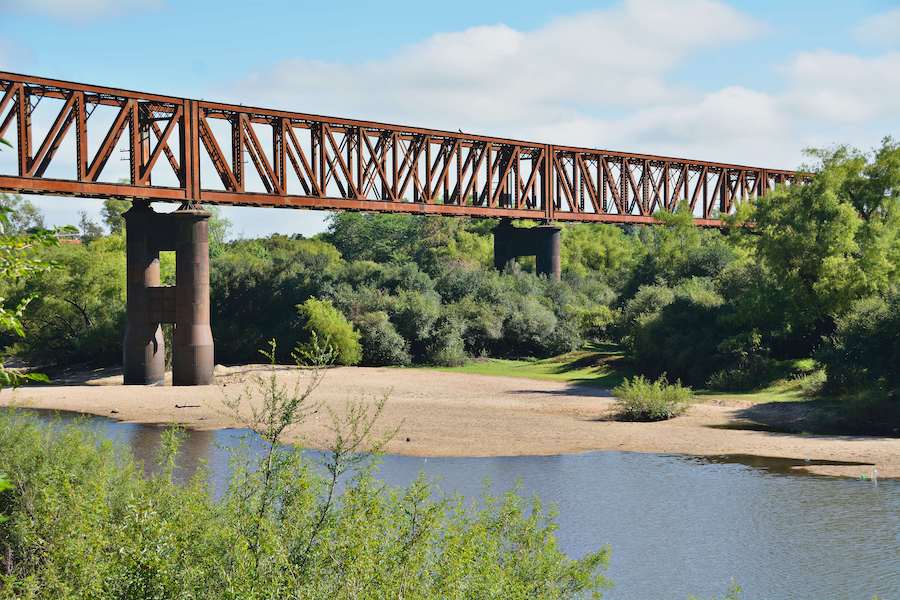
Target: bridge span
(197, 152)
(183, 150)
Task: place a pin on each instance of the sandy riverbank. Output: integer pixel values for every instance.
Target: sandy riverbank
(452, 414)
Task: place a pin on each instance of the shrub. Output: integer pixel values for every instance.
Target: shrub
(446, 347)
(683, 336)
(85, 523)
(526, 328)
(641, 400)
(597, 321)
(482, 324)
(864, 351)
(381, 344)
(749, 366)
(414, 318)
(255, 286)
(326, 323)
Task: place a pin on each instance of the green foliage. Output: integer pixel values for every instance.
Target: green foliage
(111, 213)
(77, 308)
(381, 344)
(599, 249)
(20, 259)
(638, 399)
(747, 364)
(668, 252)
(864, 351)
(321, 320)
(427, 241)
(832, 241)
(445, 346)
(84, 523)
(22, 216)
(255, 286)
(219, 230)
(597, 321)
(671, 335)
(5, 486)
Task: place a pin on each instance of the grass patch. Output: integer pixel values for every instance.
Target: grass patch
(798, 380)
(639, 399)
(599, 366)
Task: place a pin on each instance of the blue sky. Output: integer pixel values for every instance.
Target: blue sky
(751, 82)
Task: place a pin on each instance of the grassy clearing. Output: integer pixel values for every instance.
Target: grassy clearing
(599, 366)
(796, 381)
(604, 366)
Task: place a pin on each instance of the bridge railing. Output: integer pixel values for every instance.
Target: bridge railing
(178, 149)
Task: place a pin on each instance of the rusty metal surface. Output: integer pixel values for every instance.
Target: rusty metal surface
(180, 150)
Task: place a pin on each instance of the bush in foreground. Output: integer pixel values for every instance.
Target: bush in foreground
(83, 522)
(639, 399)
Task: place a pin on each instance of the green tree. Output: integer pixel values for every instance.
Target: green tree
(864, 351)
(832, 240)
(219, 230)
(599, 249)
(23, 216)
(20, 258)
(78, 307)
(90, 230)
(111, 213)
(324, 324)
(381, 344)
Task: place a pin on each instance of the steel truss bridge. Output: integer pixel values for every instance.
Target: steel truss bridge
(183, 150)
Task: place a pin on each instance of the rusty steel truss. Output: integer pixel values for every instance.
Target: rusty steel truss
(179, 149)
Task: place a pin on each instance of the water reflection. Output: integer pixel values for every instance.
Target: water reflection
(677, 525)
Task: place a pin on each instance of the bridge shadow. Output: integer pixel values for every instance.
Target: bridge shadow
(81, 375)
(576, 390)
(827, 417)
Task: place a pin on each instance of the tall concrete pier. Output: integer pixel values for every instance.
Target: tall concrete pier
(149, 304)
(143, 347)
(192, 354)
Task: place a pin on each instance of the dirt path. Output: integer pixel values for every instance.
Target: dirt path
(452, 414)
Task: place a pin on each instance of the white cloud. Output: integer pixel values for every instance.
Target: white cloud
(844, 87)
(883, 28)
(78, 10)
(495, 78)
(604, 79)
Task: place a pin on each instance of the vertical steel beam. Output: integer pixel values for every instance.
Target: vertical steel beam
(237, 152)
(23, 125)
(81, 136)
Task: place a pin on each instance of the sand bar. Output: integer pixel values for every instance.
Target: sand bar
(452, 414)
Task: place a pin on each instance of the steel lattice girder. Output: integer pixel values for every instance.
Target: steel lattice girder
(319, 162)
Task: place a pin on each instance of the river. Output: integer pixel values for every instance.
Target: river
(677, 525)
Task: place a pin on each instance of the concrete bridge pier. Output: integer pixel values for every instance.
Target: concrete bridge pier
(149, 304)
(144, 354)
(192, 352)
(542, 242)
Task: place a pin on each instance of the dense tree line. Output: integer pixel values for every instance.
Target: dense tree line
(810, 271)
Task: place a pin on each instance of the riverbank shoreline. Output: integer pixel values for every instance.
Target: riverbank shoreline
(439, 413)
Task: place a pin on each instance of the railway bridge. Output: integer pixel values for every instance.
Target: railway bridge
(195, 152)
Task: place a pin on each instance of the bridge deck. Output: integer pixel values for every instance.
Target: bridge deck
(179, 149)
